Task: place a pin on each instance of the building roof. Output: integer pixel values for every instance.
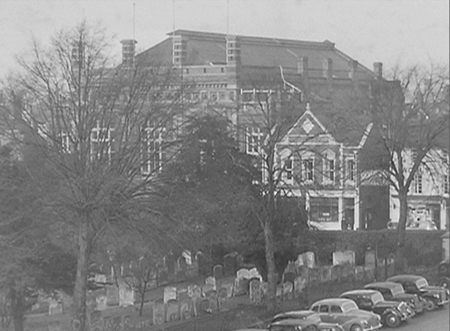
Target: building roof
(206, 48)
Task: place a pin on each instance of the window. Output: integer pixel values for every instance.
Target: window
(417, 182)
(335, 309)
(151, 151)
(445, 183)
(287, 166)
(323, 309)
(253, 140)
(329, 167)
(101, 142)
(308, 169)
(350, 169)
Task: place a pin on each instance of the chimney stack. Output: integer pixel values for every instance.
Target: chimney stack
(302, 67)
(233, 50)
(128, 52)
(179, 51)
(378, 70)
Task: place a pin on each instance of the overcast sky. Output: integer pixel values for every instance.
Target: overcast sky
(395, 32)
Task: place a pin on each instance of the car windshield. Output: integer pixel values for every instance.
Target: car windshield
(422, 282)
(376, 297)
(349, 306)
(397, 289)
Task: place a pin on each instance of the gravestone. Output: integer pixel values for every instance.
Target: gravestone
(95, 321)
(55, 307)
(126, 295)
(344, 257)
(289, 276)
(243, 273)
(254, 273)
(101, 302)
(172, 313)
(218, 271)
(204, 264)
(240, 286)
(170, 293)
(299, 285)
(185, 309)
(369, 259)
(288, 291)
(159, 312)
(255, 291)
(211, 296)
(230, 264)
(309, 259)
(211, 281)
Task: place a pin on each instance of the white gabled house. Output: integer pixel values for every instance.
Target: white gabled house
(319, 163)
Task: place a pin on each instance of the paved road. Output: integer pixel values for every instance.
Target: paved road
(431, 321)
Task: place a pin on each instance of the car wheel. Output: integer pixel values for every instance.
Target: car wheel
(430, 305)
(391, 320)
(311, 328)
(356, 327)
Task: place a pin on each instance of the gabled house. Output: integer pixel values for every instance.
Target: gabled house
(319, 163)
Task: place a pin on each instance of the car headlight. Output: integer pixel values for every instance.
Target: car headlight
(365, 322)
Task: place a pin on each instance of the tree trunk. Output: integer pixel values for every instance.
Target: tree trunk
(18, 308)
(400, 262)
(79, 294)
(272, 277)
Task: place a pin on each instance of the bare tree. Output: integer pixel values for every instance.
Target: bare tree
(411, 116)
(103, 132)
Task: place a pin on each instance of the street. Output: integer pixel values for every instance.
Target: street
(430, 321)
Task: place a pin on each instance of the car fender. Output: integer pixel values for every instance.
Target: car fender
(390, 311)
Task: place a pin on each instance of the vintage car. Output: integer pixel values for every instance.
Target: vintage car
(434, 296)
(395, 292)
(392, 313)
(346, 313)
(444, 274)
(301, 320)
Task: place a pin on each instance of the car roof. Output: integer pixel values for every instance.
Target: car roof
(331, 301)
(360, 291)
(382, 285)
(412, 278)
(296, 312)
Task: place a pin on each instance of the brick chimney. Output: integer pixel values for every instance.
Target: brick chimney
(179, 50)
(233, 50)
(378, 70)
(128, 52)
(302, 67)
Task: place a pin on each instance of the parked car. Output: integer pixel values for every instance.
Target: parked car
(434, 296)
(304, 320)
(346, 313)
(422, 225)
(444, 274)
(392, 313)
(395, 292)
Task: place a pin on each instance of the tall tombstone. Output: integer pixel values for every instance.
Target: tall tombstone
(369, 259)
(170, 293)
(126, 295)
(101, 302)
(112, 295)
(240, 286)
(186, 309)
(172, 312)
(204, 264)
(159, 312)
(55, 307)
(229, 264)
(299, 285)
(218, 271)
(309, 259)
(255, 291)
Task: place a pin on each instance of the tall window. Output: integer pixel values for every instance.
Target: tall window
(329, 167)
(253, 140)
(446, 185)
(350, 169)
(287, 166)
(308, 169)
(418, 182)
(101, 142)
(151, 150)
